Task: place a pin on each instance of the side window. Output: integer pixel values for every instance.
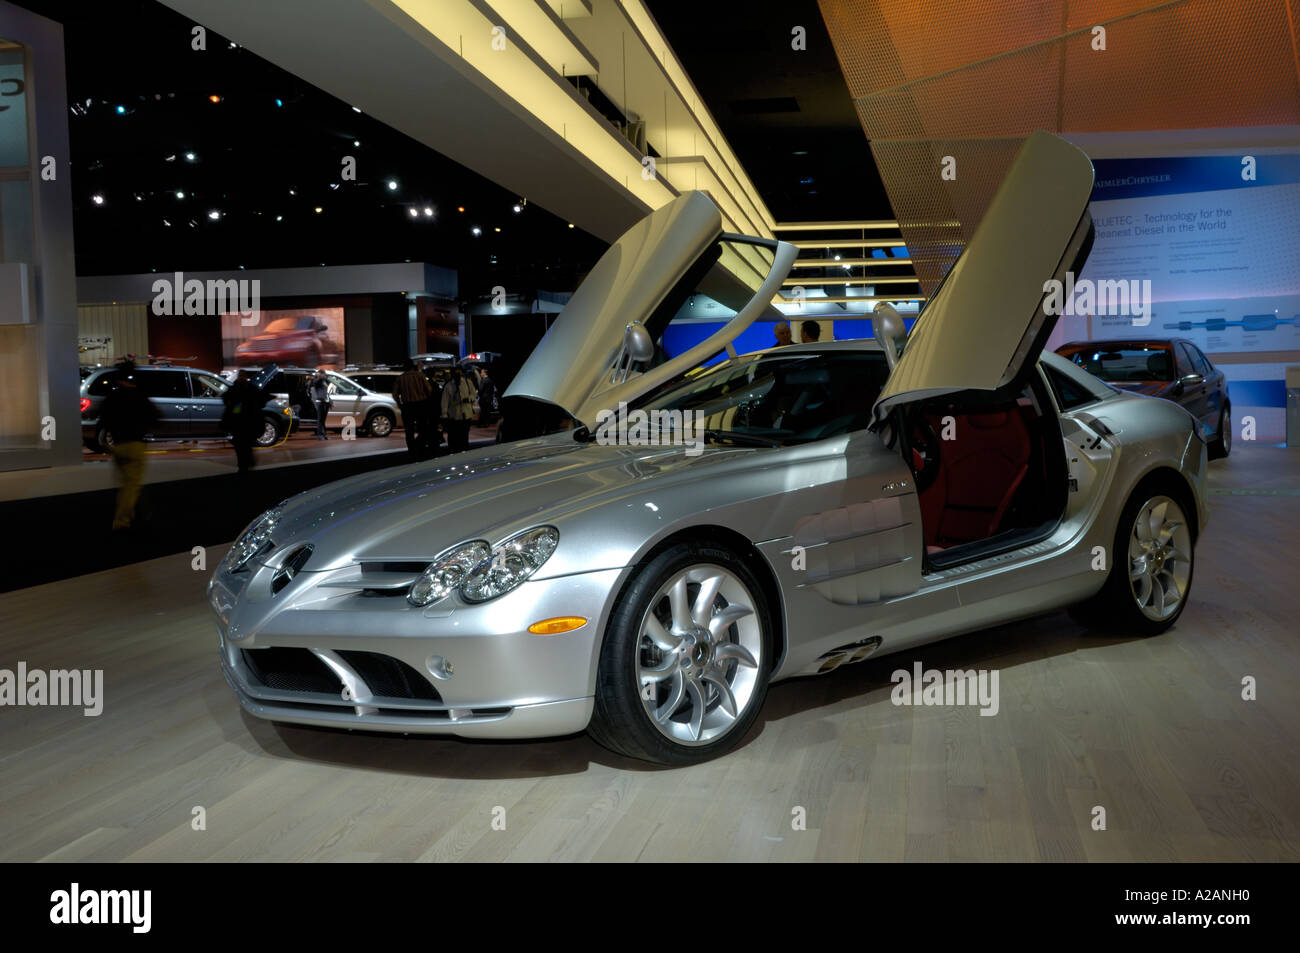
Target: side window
(341, 385)
(1186, 365)
(101, 385)
(205, 385)
(1068, 394)
(1203, 365)
(166, 384)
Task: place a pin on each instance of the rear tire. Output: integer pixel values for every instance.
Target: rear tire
(1221, 445)
(684, 667)
(1152, 564)
(269, 435)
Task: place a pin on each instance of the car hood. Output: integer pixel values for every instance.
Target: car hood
(985, 325)
(414, 512)
(586, 361)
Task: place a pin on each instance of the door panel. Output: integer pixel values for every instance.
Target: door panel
(170, 392)
(206, 406)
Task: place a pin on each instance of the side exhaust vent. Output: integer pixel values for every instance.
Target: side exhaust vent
(844, 655)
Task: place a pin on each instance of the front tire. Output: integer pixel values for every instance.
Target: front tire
(380, 424)
(684, 668)
(1152, 566)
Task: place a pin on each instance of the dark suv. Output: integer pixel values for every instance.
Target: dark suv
(188, 401)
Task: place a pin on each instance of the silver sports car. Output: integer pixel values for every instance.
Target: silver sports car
(689, 533)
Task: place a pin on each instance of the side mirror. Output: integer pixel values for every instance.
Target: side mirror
(637, 344)
(1190, 380)
(890, 332)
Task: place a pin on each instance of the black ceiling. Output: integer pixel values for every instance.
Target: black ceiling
(270, 152)
(266, 156)
(786, 112)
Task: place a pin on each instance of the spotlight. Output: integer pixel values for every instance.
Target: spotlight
(356, 143)
(279, 102)
(518, 209)
(497, 228)
(279, 218)
(214, 98)
(460, 208)
(428, 211)
(392, 185)
(415, 212)
(571, 225)
(319, 210)
(120, 110)
(214, 215)
(191, 156)
(97, 199)
(476, 230)
(180, 194)
(356, 109)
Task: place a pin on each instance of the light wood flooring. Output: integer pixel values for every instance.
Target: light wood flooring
(1154, 731)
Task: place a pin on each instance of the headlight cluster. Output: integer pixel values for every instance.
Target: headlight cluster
(253, 539)
(481, 572)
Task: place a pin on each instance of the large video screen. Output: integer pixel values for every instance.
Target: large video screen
(303, 338)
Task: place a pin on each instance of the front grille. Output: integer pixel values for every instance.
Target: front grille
(291, 670)
(267, 344)
(388, 677)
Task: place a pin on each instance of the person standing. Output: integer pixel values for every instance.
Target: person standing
(320, 397)
(810, 331)
(414, 396)
(458, 410)
(128, 415)
(242, 418)
(487, 398)
(782, 332)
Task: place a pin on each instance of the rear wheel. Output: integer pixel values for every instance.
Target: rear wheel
(1151, 571)
(684, 668)
(1221, 445)
(269, 434)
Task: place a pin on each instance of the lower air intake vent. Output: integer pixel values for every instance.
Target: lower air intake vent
(388, 677)
(291, 670)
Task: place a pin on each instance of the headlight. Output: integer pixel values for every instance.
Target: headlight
(447, 572)
(510, 563)
(253, 539)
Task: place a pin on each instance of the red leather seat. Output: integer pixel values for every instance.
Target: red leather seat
(980, 470)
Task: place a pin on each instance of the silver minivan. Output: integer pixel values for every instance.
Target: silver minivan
(372, 413)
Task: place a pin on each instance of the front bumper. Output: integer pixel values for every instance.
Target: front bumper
(367, 661)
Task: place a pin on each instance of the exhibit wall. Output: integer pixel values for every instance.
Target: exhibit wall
(1217, 236)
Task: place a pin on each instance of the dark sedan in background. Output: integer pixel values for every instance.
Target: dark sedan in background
(1174, 369)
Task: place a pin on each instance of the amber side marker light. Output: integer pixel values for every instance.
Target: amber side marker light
(566, 623)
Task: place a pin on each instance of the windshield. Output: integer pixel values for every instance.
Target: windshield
(1121, 364)
(283, 324)
(781, 398)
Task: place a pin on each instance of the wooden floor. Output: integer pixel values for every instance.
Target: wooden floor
(1154, 731)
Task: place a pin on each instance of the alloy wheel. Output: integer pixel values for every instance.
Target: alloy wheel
(268, 436)
(1160, 558)
(699, 653)
(381, 425)
(1225, 431)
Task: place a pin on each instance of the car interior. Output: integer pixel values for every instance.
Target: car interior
(990, 472)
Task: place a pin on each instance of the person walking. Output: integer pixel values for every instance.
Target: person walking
(414, 396)
(458, 410)
(320, 398)
(128, 415)
(242, 418)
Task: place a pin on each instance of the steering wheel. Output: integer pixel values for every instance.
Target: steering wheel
(923, 444)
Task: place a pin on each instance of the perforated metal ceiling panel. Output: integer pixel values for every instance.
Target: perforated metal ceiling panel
(934, 78)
